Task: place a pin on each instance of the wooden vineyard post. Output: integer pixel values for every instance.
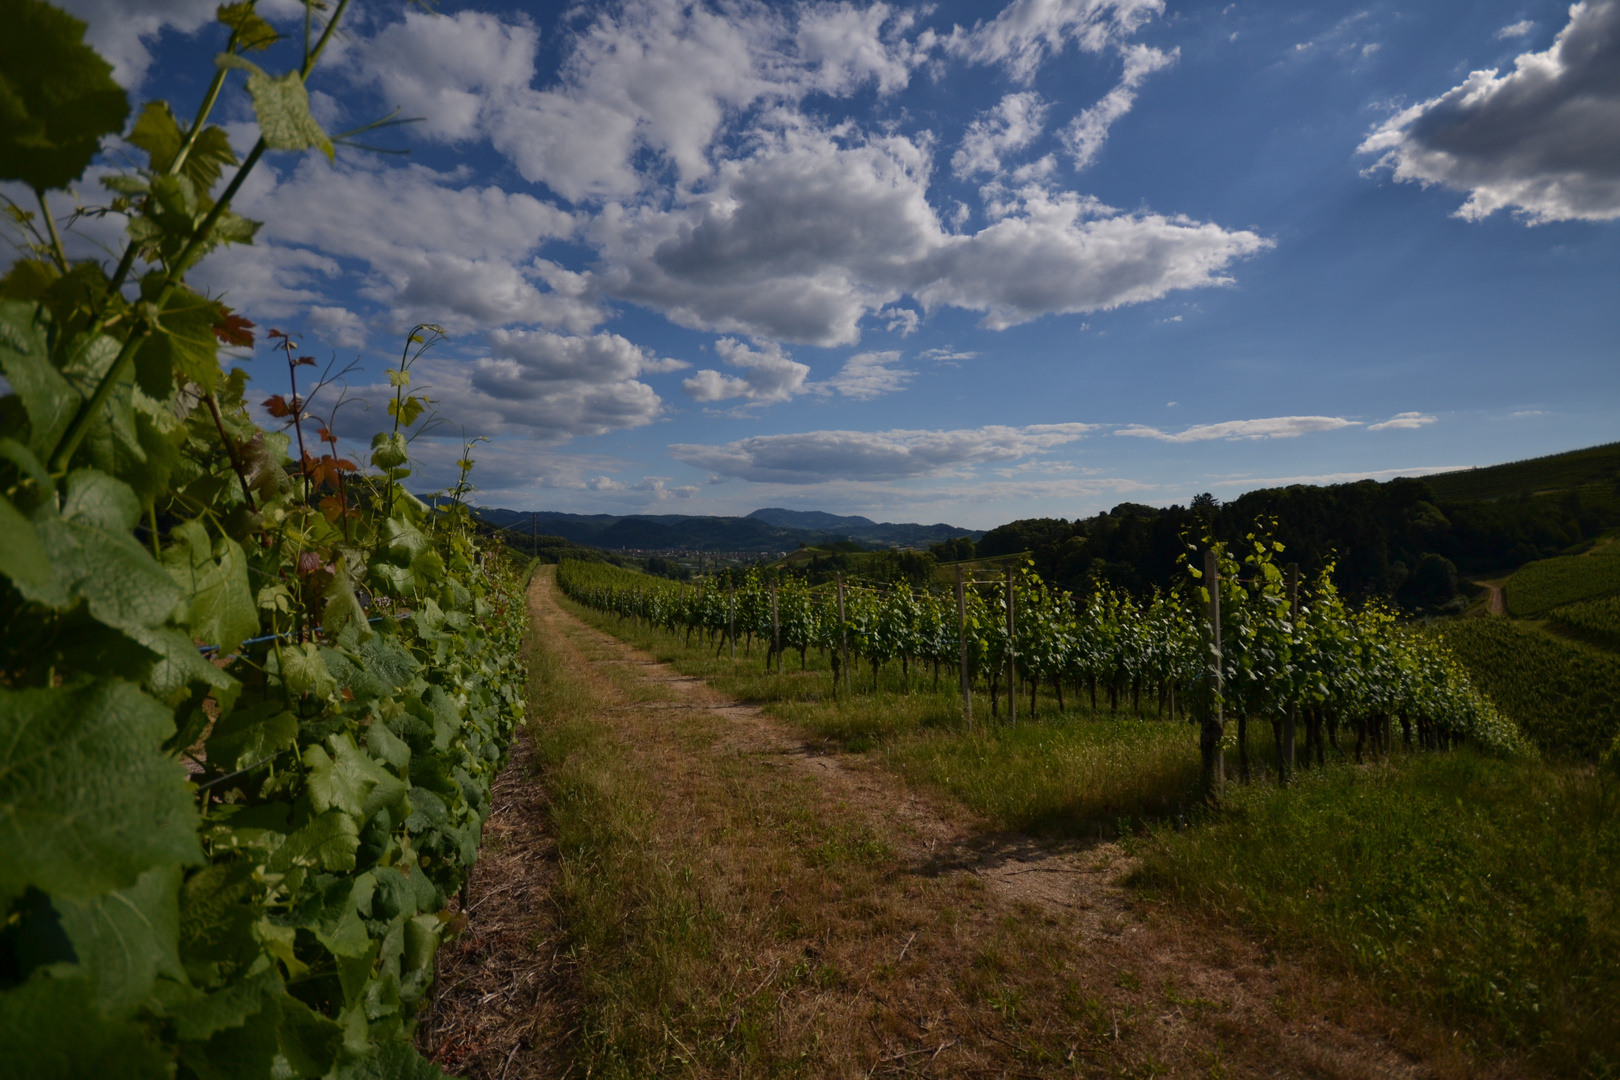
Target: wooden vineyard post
(843, 635)
(1214, 764)
(731, 619)
(961, 640)
(776, 633)
(1285, 773)
(1012, 661)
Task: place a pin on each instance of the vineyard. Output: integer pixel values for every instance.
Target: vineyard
(252, 694)
(1287, 654)
(1565, 695)
(1597, 620)
(1539, 587)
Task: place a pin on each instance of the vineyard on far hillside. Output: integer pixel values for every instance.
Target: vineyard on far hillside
(1541, 586)
(1597, 621)
(1565, 695)
(1326, 666)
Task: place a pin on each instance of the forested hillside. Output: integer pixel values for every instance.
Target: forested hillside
(1407, 538)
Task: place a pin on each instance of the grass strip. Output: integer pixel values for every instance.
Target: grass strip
(1470, 888)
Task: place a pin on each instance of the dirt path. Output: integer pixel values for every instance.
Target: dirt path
(954, 952)
(1495, 604)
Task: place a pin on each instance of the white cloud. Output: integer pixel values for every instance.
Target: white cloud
(338, 326)
(946, 355)
(1539, 139)
(453, 71)
(769, 375)
(551, 387)
(658, 487)
(846, 47)
(1275, 427)
(902, 319)
(1403, 421)
(1515, 30)
(1011, 125)
(122, 30)
(1026, 32)
(819, 456)
(871, 374)
(435, 248)
(1086, 133)
(800, 240)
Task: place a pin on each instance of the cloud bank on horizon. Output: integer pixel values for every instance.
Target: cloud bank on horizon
(807, 219)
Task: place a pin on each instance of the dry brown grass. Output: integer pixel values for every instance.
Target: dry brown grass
(686, 888)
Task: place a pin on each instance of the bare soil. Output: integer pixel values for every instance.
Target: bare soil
(960, 952)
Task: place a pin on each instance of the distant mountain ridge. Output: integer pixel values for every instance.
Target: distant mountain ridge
(770, 529)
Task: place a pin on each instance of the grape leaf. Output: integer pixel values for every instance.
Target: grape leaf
(87, 802)
(282, 105)
(57, 97)
(248, 736)
(22, 556)
(219, 601)
(127, 938)
(49, 399)
(51, 1031)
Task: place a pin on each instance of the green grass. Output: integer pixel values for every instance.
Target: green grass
(1564, 695)
(1068, 773)
(1475, 889)
(1540, 586)
(1556, 472)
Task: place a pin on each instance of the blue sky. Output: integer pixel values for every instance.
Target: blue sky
(960, 262)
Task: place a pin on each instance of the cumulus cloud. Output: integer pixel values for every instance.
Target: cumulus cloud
(1275, 427)
(1405, 420)
(819, 456)
(1026, 32)
(434, 248)
(338, 326)
(551, 387)
(871, 374)
(122, 30)
(769, 375)
(1539, 139)
(1011, 125)
(1515, 30)
(1086, 133)
(658, 487)
(800, 240)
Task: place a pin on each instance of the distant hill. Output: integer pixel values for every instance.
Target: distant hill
(810, 519)
(763, 530)
(1534, 476)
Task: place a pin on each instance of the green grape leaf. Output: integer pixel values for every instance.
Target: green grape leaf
(22, 556)
(51, 1030)
(310, 1041)
(252, 32)
(182, 346)
(157, 132)
(246, 1050)
(302, 669)
(210, 153)
(219, 601)
(49, 399)
(97, 500)
(345, 778)
(123, 585)
(57, 97)
(125, 939)
(248, 736)
(328, 842)
(282, 106)
(87, 802)
(341, 608)
(179, 663)
(198, 1016)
